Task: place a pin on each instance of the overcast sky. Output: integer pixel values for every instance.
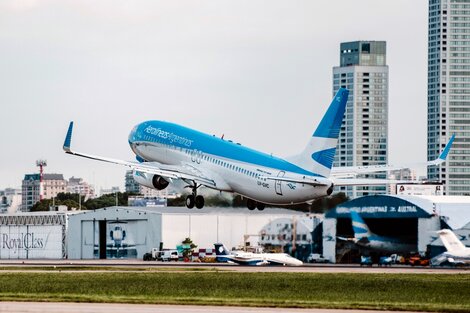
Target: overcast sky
(259, 72)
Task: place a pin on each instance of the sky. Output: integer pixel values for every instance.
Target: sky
(259, 72)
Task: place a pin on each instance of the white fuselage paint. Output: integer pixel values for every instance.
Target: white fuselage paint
(234, 176)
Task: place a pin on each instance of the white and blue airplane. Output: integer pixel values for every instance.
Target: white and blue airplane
(457, 253)
(167, 151)
(249, 258)
(363, 237)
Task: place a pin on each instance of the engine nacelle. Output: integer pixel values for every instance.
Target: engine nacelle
(151, 181)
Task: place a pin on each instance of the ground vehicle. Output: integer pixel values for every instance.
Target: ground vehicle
(165, 255)
(417, 260)
(366, 260)
(317, 258)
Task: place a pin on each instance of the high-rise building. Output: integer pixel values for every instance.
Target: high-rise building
(363, 138)
(52, 185)
(449, 92)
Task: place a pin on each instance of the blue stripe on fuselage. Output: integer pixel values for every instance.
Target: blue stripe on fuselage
(180, 136)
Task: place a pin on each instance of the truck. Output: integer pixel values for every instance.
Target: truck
(317, 258)
(164, 255)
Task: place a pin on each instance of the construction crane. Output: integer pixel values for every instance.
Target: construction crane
(41, 164)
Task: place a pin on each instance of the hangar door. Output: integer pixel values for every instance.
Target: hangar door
(107, 239)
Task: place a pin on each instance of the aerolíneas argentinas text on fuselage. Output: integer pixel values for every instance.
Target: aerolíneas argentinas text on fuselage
(167, 151)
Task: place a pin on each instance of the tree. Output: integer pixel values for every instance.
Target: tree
(188, 248)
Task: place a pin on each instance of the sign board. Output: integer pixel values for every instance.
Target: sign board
(31, 242)
(419, 189)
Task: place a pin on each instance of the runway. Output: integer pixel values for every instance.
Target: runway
(137, 265)
(58, 307)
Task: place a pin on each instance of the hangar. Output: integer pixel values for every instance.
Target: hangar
(130, 232)
(34, 235)
(416, 218)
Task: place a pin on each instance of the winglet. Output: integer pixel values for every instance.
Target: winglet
(68, 138)
(446, 150)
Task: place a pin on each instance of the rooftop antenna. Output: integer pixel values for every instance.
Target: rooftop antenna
(41, 164)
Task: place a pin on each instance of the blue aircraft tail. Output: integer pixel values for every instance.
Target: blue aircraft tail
(221, 253)
(320, 151)
(360, 228)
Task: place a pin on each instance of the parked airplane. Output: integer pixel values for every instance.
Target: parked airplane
(167, 151)
(248, 258)
(363, 237)
(457, 253)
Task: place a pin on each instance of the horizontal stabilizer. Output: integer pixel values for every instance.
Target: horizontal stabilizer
(352, 171)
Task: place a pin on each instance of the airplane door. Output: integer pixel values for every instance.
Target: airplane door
(278, 183)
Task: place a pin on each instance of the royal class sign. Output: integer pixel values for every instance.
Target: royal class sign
(31, 242)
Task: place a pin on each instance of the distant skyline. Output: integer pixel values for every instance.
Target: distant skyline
(258, 72)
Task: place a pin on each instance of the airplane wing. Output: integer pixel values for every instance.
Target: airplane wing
(173, 172)
(367, 181)
(352, 171)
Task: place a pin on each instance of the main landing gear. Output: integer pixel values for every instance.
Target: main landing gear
(252, 204)
(194, 199)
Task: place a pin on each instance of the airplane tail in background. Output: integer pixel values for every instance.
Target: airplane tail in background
(222, 254)
(360, 228)
(319, 153)
(220, 249)
(450, 241)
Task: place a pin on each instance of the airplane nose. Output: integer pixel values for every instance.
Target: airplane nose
(133, 134)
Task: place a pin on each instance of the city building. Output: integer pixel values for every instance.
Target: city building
(32, 191)
(112, 190)
(449, 92)
(363, 138)
(78, 185)
(130, 184)
(10, 200)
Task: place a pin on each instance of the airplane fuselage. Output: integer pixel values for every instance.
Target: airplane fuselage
(233, 167)
(386, 244)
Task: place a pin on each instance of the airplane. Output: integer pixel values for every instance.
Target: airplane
(248, 258)
(457, 253)
(167, 151)
(363, 237)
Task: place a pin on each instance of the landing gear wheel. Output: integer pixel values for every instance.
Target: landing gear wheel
(199, 201)
(260, 206)
(251, 204)
(190, 201)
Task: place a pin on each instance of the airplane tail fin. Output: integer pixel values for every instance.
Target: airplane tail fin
(450, 241)
(220, 249)
(319, 153)
(360, 228)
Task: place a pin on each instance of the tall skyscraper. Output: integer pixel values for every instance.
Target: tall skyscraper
(449, 92)
(363, 138)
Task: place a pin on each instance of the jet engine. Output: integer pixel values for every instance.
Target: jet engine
(151, 181)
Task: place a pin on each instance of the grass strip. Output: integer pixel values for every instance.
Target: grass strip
(105, 268)
(418, 292)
